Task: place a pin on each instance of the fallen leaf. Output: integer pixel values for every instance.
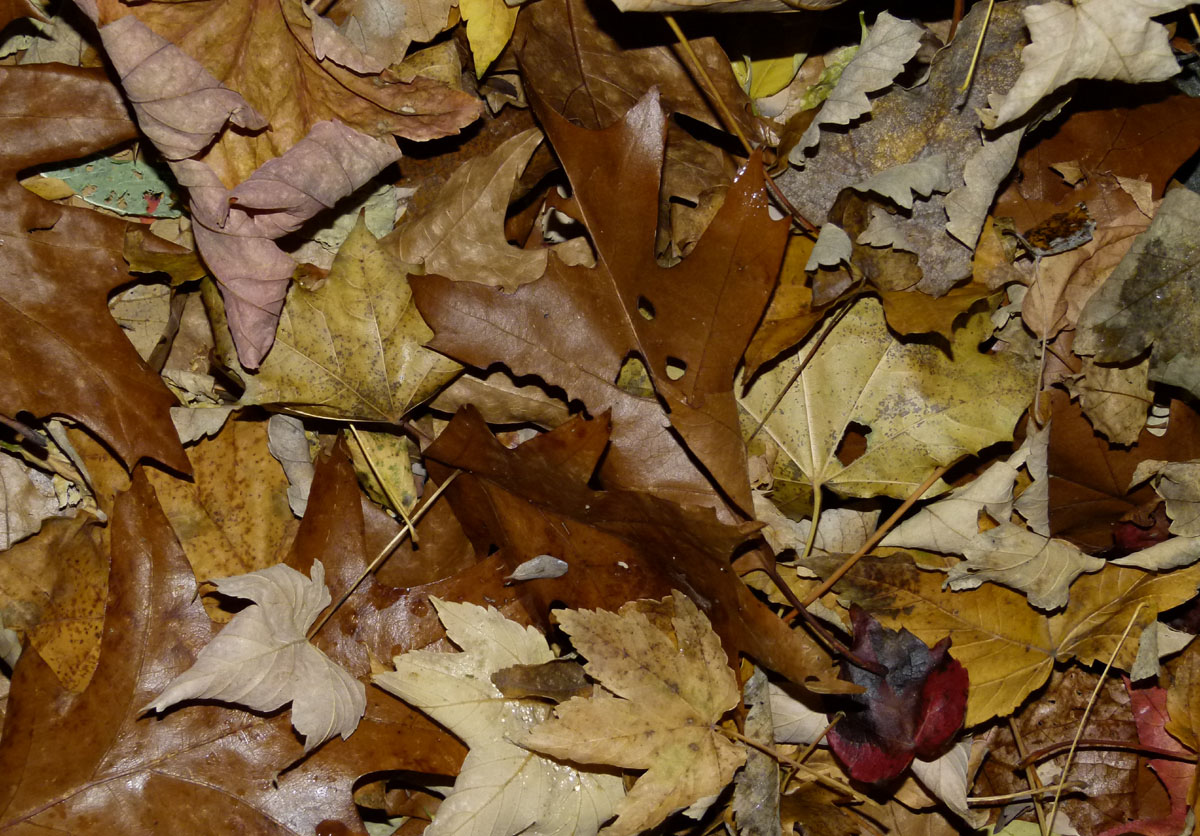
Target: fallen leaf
(756, 796)
(501, 789)
(262, 659)
(915, 708)
(1178, 483)
(501, 401)
(1107, 39)
(672, 685)
(889, 45)
(691, 342)
(354, 347)
(289, 446)
(920, 408)
(27, 499)
(461, 234)
(1114, 398)
(375, 34)
(65, 353)
(489, 26)
(82, 765)
(949, 779)
(1143, 304)
(536, 499)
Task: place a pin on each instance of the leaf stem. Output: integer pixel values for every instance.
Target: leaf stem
(814, 519)
(879, 534)
(824, 780)
(1101, 743)
(393, 500)
(1031, 793)
(709, 87)
(1035, 782)
(1086, 712)
(384, 553)
(966, 85)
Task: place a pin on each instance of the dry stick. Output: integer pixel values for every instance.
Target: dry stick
(966, 85)
(879, 534)
(1195, 21)
(954, 21)
(825, 780)
(1031, 794)
(710, 90)
(1101, 743)
(384, 552)
(1086, 712)
(1035, 783)
(393, 500)
(812, 747)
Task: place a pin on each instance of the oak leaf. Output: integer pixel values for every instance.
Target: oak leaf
(672, 685)
(690, 323)
(922, 408)
(263, 660)
(63, 351)
(353, 348)
(502, 789)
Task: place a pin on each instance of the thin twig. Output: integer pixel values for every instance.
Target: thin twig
(879, 534)
(1087, 711)
(955, 20)
(711, 88)
(832, 783)
(393, 500)
(1101, 743)
(383, 553)
(1032, 793)
(966, 85)
(1035, 783)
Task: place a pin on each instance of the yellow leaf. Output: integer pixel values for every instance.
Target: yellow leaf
(673, 683)
(354, 347)
(489, 26)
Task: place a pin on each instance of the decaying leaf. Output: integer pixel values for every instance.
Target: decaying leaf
(501, 789)
(354, 347)
(672, 684)
(263, 660)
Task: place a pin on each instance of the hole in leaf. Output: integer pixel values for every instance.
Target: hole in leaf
(853, 444)
(676, 368)
(645, 308)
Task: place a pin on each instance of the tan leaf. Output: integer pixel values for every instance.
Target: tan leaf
(262, 659)
(672, 683)
(502, 789)
(352, 348)
(461, 235)
(1114, 398)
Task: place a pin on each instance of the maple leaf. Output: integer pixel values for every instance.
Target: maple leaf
(63, 351)
(353, 347)
(915, 708)
(265, 52)
(262, 658)
(502, 789)
(922, 408)
(82, 762)
(691, 339)
(536, 500)
(1109, 39)
(672, 685)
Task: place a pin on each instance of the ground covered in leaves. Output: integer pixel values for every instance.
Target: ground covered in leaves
(570, 416)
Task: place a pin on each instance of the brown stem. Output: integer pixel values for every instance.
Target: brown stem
(879, 534)
(709, 88)
(1031, 776)
(1102, 743)
(954, 21)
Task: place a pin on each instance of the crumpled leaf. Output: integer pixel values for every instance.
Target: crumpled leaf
(289, 445)
(922, 408)
(1041, 567)
(1114, 398)
(949, 779)
(354, 347)
(376, 33)
(262, 659)
(501, 789)
(1108, 39)
(27, 499)
(914, 709)
(63, 353)
(1178, 483)
(889, 45)
(1146, 301)
(672, 684)
(461, 234)
(755, 802)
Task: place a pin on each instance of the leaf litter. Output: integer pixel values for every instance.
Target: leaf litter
(464, 463)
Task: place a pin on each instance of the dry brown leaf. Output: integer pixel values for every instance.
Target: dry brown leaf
(672, 683)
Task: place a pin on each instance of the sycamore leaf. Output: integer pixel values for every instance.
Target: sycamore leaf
(672, 683)
(1146, 303)
(502, 789)
(461, 235)
(921, 407)
(1042, 567)
(1115, 398)
(1108, 39)
(889, 45)
(263, 660)
(899, 183)
(352, 348)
